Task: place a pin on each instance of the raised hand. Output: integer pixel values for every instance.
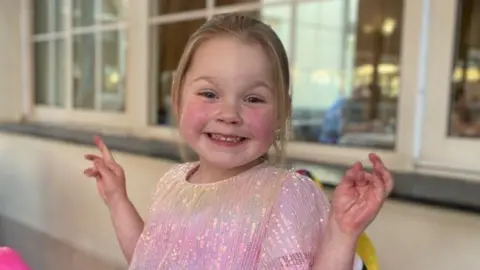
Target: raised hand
(109, 176)
(358, 198)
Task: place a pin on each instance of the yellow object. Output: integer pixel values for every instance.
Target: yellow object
(365, 248)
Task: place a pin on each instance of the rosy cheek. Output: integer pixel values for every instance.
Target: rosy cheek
(194, 116)
(261, 122)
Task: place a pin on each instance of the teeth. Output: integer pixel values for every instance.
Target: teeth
(226, 138)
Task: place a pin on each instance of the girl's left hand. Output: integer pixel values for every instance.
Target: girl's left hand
(359, 197)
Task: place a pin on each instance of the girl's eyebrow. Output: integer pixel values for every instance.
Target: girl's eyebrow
(208, 79)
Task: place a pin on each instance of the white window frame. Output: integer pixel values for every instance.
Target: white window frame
(440, 152)
(400, 159)
(69, 114)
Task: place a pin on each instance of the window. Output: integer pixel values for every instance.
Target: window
(346, 72)
(464, 117)
(80, 54)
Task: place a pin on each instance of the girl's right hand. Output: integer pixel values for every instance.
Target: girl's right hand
(109, 175)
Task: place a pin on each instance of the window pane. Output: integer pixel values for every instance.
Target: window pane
(168, 41)
(60, 81)
(40, 16)
(113, 70)
(159, 7)
(48, 16)
(464, 115)
(59, 8)
(84, 71)
(346, 74)
(49, 73)
(113, 10)
(42, 66)
(83, 12)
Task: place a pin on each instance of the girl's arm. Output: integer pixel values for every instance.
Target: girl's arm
(355, 204)
(336, 252)
(110, 179)
(128, 225)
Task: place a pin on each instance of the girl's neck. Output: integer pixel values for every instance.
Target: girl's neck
(208, 173)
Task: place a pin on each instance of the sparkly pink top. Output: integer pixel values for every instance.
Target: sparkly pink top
(264, 218)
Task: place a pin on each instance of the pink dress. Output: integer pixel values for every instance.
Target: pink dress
(264, 218)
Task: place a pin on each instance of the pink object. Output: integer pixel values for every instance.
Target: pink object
(263, 218)
(11, 260)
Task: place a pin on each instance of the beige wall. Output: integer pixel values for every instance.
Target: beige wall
(42, 186)
(10, 60)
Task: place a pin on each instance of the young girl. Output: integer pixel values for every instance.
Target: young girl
(232, 209)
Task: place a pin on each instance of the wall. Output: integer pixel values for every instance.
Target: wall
(42, 187)
(10, 59)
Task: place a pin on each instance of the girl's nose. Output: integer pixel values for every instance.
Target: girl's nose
(229, 114)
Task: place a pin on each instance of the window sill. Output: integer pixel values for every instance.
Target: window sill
(448, 192)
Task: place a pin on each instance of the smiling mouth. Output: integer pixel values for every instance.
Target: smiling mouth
(229, 140)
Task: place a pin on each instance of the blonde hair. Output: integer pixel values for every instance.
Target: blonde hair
(250, 30)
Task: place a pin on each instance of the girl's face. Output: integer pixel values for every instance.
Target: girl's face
(228, 112)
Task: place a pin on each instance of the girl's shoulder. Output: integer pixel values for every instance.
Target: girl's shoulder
(301, 195)
(178, 171)
(291, 177)
(295, 183)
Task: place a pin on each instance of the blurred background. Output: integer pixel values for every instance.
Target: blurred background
(398, 77)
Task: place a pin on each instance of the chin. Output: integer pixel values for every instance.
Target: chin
(226, 162)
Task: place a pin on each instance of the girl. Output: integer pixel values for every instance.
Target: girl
(232, 209)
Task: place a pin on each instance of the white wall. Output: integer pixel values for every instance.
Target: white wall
(42, 186)
(10, 60)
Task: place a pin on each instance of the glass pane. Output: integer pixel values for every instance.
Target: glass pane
(42, 66)
(113, 10)
(168, 41)
(346, 74)
(464, 115)
(60, 79)
(60, 12)
(113, 70)
(84, 71)
(83, 12)
(233, 2)
(159, 7)
(50, 73)
(40, 16)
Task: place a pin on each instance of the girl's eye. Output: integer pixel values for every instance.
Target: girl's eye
(208, 94)
(253, 99)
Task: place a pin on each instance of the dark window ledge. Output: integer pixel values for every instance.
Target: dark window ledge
(433, 190)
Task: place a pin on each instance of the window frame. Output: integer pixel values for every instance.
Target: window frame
(439, 151)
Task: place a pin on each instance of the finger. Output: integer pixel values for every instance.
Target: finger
(106, 154)
(92, 157)
(378, 186)
(352, 173)
(91, 172)
(387, 179)
(381, 172)
(102, 167)
(374, 158)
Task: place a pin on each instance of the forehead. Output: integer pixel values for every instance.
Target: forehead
(229, 58)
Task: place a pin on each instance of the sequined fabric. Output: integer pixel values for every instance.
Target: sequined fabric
(264, 218)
